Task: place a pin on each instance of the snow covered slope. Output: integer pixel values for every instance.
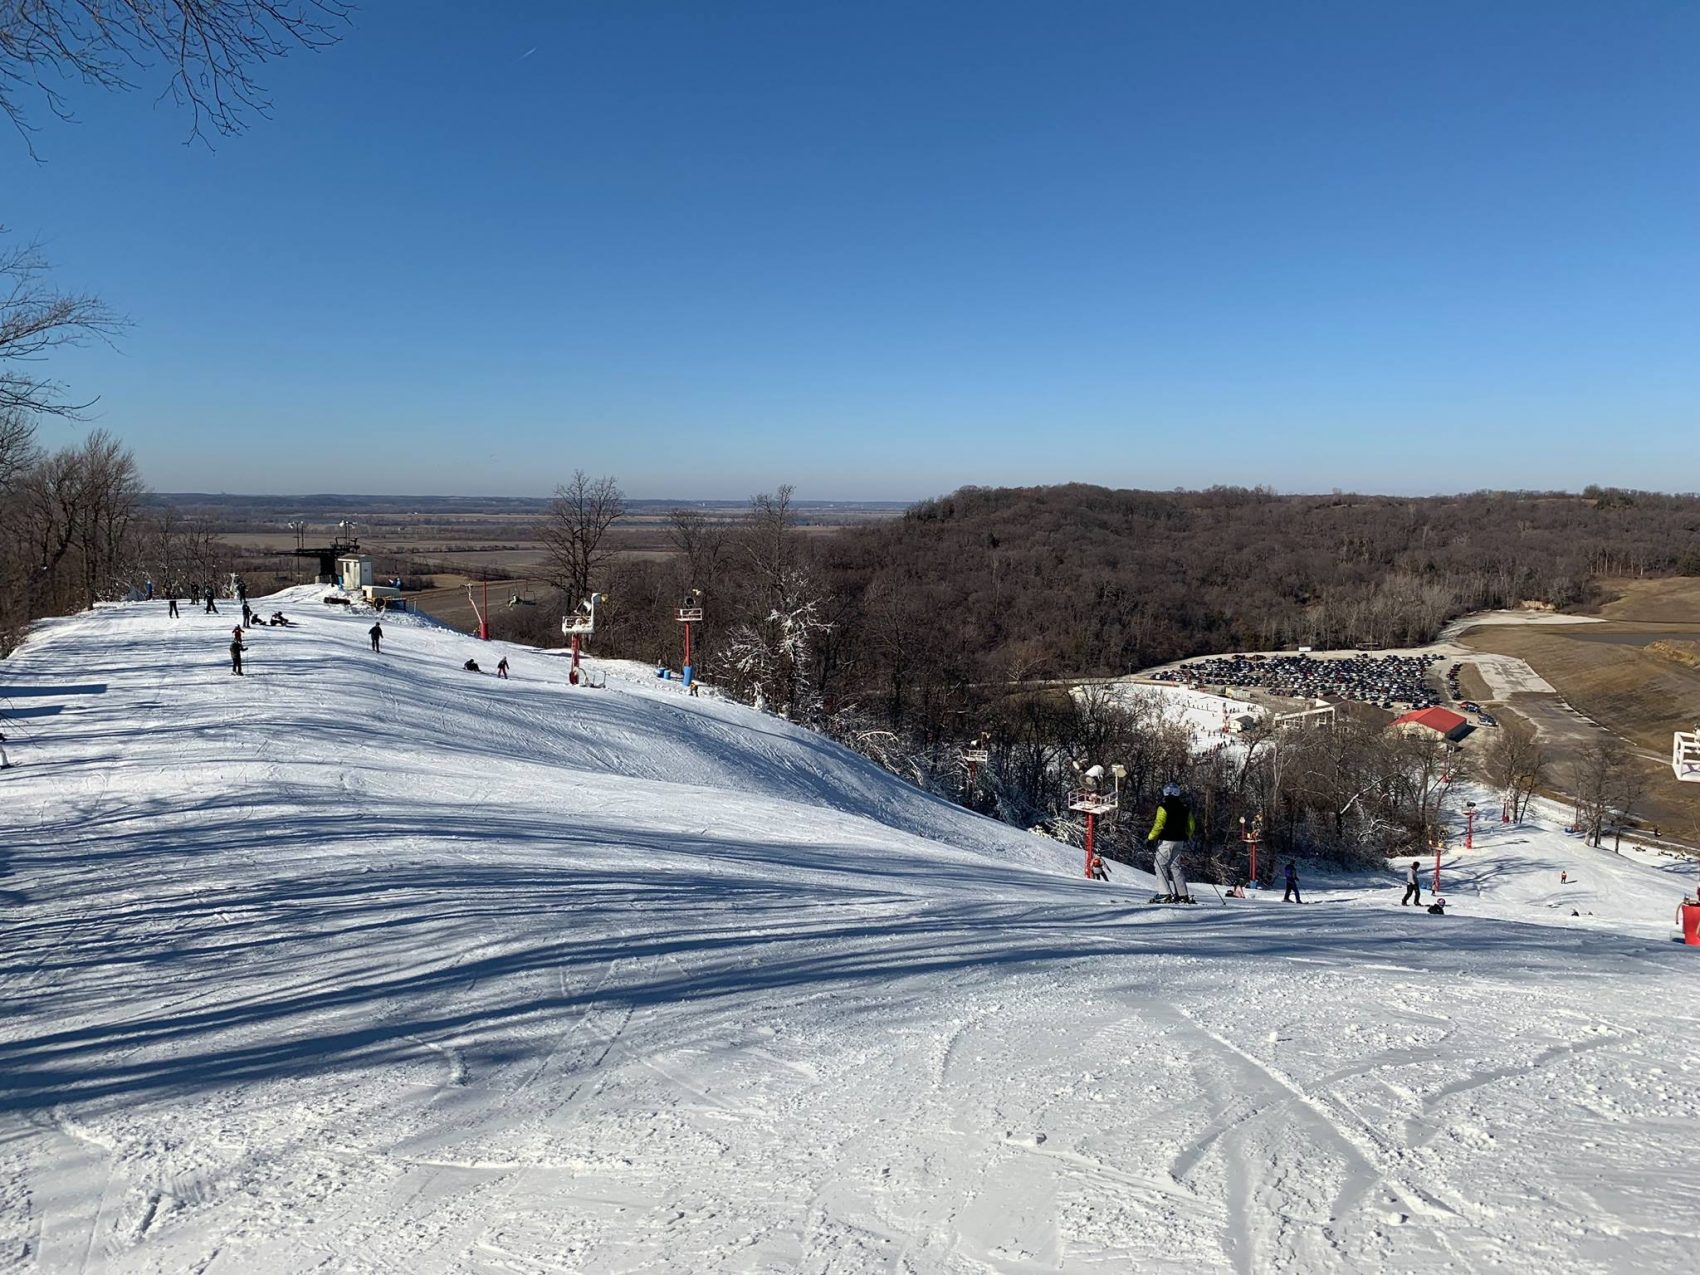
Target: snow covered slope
(365, 963)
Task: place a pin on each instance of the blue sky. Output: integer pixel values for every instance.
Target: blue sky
(881, 250)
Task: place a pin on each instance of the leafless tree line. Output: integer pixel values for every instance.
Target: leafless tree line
(75, 529)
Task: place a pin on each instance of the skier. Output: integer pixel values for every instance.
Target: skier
(211, 609)
(247, 615)
(1171, 830)
(376, 633)
(171, 606)
(1413, 888)
(1292, 894)
(236, 649)
(1564, 877)
(502, 669)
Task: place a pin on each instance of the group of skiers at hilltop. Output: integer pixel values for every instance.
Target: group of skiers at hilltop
(250, 619)
(1171, 831)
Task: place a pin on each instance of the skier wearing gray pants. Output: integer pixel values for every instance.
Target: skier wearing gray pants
(1171, 830)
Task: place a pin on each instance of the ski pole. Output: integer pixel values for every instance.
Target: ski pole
(1219, 897)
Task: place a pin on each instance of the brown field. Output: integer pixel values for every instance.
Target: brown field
(1608, 676)
(1673, 601)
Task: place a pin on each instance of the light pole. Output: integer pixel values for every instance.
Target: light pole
(688, 614)
(974, 755)
(1252, 836)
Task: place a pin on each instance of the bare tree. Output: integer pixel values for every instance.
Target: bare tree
(1516, 762)
(701, 542)
(575, 532)
(36, 318)
(209, 49)
(1606, 785)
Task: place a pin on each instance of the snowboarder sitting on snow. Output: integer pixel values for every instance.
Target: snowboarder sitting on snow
(471, 666)
(1413, 889)
(1171, 830)
(1438, 907)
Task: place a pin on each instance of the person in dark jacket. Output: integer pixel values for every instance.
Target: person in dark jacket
(1413, 887)
(502, 669)
(236, 649)
(171, 607)
(376, 633)
(1170, 831)
(1292, 894)
(211, 609)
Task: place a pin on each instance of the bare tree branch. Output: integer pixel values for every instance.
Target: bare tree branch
(34, 319)
(210, 49)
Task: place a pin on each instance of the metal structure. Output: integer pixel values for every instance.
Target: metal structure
(1252, 835)
(1439, 848)
(975, 756)
(1685, 755)
(1092, 800)
(689, 613)
(482, 614)
(327, 556)
(1323, 715)
(1469, 825)
(578, 626)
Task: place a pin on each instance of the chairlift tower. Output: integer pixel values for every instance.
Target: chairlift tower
(689, 613)
(1092, 800)
(1469, 825)
(579, 625)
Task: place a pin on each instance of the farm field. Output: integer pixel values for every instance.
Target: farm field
(1607, 674)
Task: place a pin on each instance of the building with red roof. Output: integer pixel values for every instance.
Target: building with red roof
(1441, 721)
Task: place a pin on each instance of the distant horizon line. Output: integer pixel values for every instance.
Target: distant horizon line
(905, 503)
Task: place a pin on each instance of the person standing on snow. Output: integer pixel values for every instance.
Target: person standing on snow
(502, 669)
(211, 609)
(1292, 894)
(171, 606)
(376, 633)
(1171, 830)
(236, 649)
(1413, 887)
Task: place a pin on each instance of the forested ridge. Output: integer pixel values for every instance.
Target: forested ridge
(1078, 580)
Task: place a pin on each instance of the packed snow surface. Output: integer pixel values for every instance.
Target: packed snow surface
(361, 962)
